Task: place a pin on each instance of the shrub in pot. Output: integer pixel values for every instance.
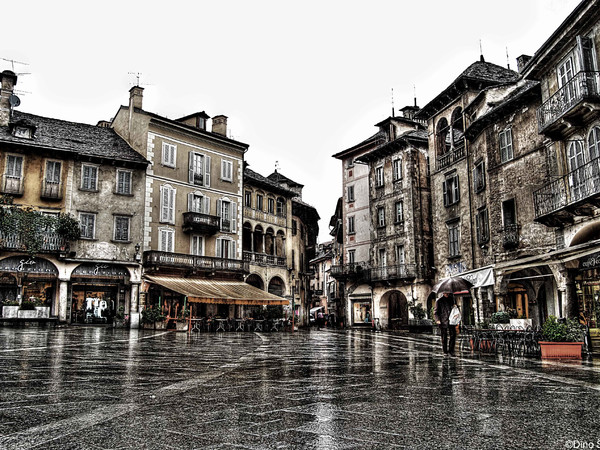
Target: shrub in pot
(561, 338)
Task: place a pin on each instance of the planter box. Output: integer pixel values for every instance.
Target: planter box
(160, 325)
(521, 323)
(28, 314)
(10, 312)
(181, 325)
(561, 350)
(43, 312)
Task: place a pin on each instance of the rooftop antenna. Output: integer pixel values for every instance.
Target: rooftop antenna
(277, 166)
(481, 58)
(507, 59)
(393, 112)
(12, 64)
(137, 77)
(415, 94)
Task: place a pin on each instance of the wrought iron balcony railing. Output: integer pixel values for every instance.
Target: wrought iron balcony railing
(201, 223)
(192, 262)
(576, 186)
(51, 242)
(52, 190)
(510, 236)
(451, 157)
(264, 259)
(397, 272)
(357, 271)
(582, 86)
(12, 185)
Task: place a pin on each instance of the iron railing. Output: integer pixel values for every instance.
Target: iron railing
(201, 222)
(451, 157)
(51, 242)
(579, 88)
(397, 272)
(51, 189)
(12, 185)
(510, 236)
(193, 262)
(264, 259)
(577, 185)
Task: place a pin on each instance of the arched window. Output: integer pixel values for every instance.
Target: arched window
(594, 143)
(442, 137)
(458, 128)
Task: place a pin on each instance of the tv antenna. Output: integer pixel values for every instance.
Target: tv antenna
(137, 76)
(276, 166)
(393, 111)
(12, 64)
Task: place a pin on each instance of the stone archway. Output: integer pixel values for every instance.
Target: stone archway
(393, 310)
(276, 286)
(256, 281)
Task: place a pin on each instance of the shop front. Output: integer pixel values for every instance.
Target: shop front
(99, 292)
(587, 285)
(32, 279)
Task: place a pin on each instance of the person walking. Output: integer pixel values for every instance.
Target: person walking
(443, 307)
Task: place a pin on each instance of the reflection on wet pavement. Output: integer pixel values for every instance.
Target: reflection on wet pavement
(103, 388)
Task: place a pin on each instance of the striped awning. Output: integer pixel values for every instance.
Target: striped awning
(218, 291)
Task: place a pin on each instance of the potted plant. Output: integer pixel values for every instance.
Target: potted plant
(561, 339)
(27, 309)
(499, 318)
(10, 309)
(153, 317)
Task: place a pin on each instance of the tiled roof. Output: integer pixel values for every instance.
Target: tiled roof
(80, 138)
(265, 182)
(280, 178)
(482, 70)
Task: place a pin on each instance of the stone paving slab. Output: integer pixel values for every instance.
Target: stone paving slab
(99, 388)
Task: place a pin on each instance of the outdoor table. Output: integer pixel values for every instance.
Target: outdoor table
(239, 324)
(258, 325)
(221, 324)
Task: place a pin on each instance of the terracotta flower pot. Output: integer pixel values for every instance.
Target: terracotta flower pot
(561, 350)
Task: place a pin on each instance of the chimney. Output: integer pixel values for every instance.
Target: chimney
(9, 79)
(522, 62)
(219, 125)
(136, 94)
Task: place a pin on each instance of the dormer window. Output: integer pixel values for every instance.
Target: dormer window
(23, 132)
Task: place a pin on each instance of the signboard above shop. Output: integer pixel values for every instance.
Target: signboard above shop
(27, 264)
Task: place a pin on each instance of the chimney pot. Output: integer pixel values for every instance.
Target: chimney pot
(8, 80)
(136, 95)
(522, 62)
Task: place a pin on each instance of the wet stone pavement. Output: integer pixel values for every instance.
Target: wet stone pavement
(102, 388)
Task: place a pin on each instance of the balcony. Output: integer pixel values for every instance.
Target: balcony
(353, 272)
(397, 272)
(51, 242)
(450, 157)
(208, 264)
(262, 216)
(574, 194)
(12, 185)
(200, 223)
(51, 190)
(575, 102)
(510, 236)
(262, 259)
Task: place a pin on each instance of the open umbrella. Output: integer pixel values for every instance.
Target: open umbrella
(451, 285)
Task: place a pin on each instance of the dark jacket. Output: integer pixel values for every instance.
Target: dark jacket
(443, 307)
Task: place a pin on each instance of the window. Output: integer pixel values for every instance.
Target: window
(509, 213)
(382, 257)
(52, 180)
(124, 182)
(14, 174)
(226, 170)
(197, 245)
(280, 207)
(167, 204)
(506, 145)
(479, 177)
(121, 228)
(248, 199)
(379, 176)
(225, 248)
(23, 132)
(226, 211)
(594, 143)
(349, 163)
(351, 256)
(350, 193)
(397, 169)
(451, 190)
(198, 203)
(453, 239)
(259, 202)
(400, 254)
(381, 216)
(199, 169)
(565, 73)
(399, 212)
(294, 228)
(89, 177)
(482, 225)
(169, 152)
(87, 224)
(271, 205)
(351, 225)
(166, 241)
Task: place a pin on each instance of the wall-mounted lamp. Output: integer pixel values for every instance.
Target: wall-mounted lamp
(137, 256)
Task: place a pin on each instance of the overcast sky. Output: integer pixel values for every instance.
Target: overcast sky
(299, 81)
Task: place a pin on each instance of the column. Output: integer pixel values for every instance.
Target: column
(63, 289)
(134, 315)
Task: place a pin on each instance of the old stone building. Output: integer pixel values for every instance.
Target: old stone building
(58, 167)
(192, 235)
(399, 202)
(566, 66)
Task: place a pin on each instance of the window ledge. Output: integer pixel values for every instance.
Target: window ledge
(120, 242)
(89, 190)
(122, 194)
